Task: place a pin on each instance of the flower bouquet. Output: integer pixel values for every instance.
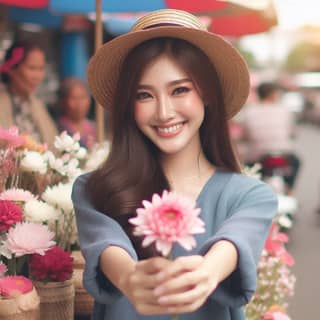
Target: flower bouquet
(35, 192)
(18, 298)
(52, 273)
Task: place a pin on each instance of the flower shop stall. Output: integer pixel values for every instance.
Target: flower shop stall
(37, 225)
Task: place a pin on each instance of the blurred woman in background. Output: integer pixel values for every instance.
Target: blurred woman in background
(22, 72)
(74, 104)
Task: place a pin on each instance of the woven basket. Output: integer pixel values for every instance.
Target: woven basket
(56, 300)
(23, 307)
(83, 302)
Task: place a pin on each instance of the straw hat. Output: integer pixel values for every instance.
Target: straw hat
(104, 67)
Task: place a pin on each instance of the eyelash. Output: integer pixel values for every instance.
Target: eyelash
(145, 95)
(181, 90)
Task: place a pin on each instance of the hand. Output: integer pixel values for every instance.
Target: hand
(186, 284)
(139, 286)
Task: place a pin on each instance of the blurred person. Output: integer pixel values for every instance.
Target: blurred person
(74, 104)
(269, 129)
(22, 72)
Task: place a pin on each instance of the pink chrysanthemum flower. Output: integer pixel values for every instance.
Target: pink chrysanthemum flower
(276, 315)
(18, 195)
(274, 245)
(10, 213)
(168, 219)
(13, 286)
(28, 238)
(11, 137)
(3, 269)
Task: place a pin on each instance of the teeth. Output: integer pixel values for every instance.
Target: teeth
(170, 129)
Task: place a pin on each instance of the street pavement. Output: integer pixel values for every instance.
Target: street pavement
(305, 234)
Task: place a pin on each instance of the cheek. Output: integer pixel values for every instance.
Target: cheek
(141, 114)
(193, 107)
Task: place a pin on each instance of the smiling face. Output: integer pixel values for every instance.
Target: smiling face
(168, 107)
(27, 76)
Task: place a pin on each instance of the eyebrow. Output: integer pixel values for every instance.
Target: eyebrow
(170, 84)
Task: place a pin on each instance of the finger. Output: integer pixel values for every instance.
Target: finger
(197, 293)
(153, 265)
(145, 296)
(143, 280)
(179, 265)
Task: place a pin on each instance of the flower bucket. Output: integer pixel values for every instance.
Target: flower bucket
(56, 300)
(83, 302)
(23, 307)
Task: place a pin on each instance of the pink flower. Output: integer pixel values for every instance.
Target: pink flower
(10, 213)
(16, 194)
(12, 286)
(276, 315)
(3, 269)
(168, 219)
(11, 137)
(29, 238)
(275, 245)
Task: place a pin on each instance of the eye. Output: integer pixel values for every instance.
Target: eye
(180, 90)
(142, 95)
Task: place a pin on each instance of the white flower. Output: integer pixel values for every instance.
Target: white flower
(284, 222)
(65, 142)
(33, 161)
(4, 251)
(16, 194)
(39, 211)
(97, 156)
(59, 196)
(72, 169)
(287, 204)
(253, 171)
(81, 153)
(49, 156)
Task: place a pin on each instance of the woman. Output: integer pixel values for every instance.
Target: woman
(170, 87)
(74, 105)
(22, 72)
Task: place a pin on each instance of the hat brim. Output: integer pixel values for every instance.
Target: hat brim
(105, 66)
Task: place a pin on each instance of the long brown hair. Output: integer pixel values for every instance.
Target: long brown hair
(132, 171)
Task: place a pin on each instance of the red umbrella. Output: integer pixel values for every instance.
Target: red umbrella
(26, 3)
(243, 20)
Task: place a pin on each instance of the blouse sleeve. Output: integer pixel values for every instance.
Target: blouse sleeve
(96, 232)
(246, 226)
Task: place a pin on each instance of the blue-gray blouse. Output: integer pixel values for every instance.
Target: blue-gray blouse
(234, 207)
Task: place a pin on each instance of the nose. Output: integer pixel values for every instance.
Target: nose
(165, 110)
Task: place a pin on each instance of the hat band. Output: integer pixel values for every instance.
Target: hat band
(168, 17)
(162, 25)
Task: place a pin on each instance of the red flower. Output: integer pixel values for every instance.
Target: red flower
(10, 213)
(54, 265)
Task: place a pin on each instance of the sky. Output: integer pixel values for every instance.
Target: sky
(294, 13)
